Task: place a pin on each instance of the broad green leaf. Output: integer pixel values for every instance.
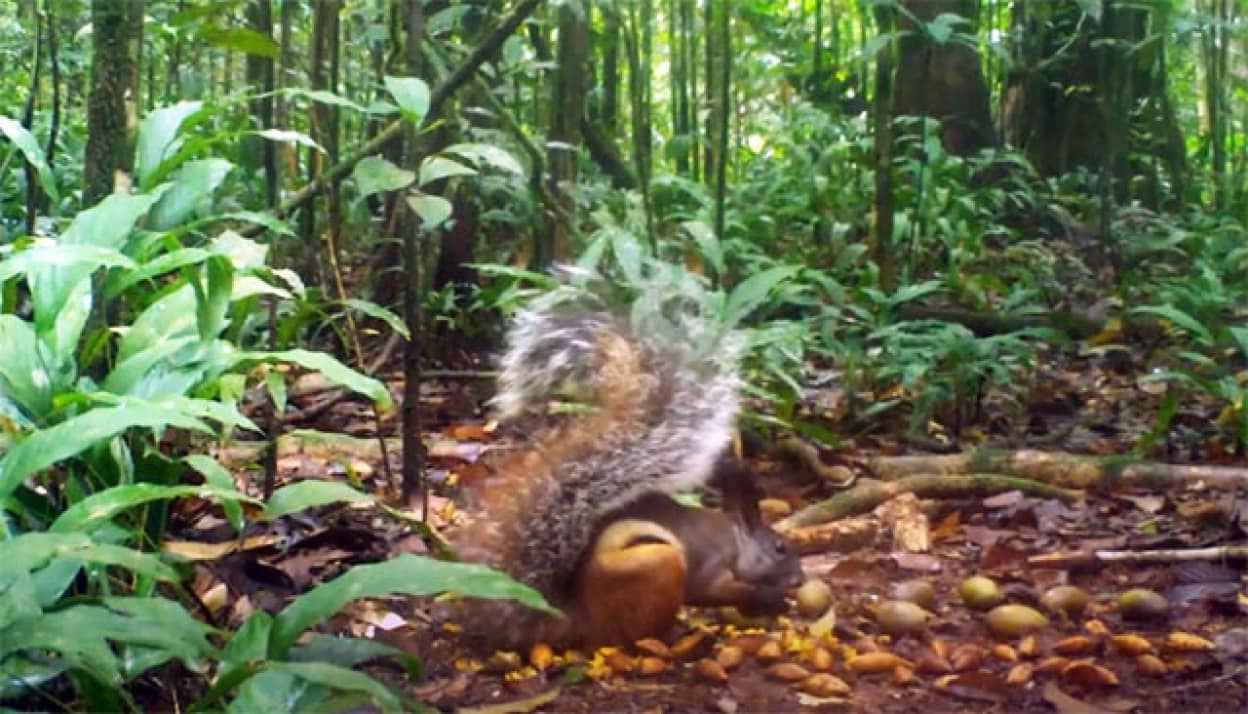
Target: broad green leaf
(239, 39)
(225, 414)
(439, 167)
(331, 368)
(373, 175)
(1240, 335)
(246, 286)
(276, 691)
(71, 437)
(193, 183)
(268, 220)
(103, 226)
(322, 97)
(120, 281)
(487, 154)
(275, 385)
(29, 146)
(707, 243)
(170, 317)
(32, 551)
(103, 505)
(211, 311)
(46, 253)
(412, 96)
(433, 210)
(319, 674)
(303, 495)
(378, 312)
(405, 575)
(287, 136)
(1179, 319)
(351, 651)
(244, 253)
(158, 139)
(130, 372)
(751, 292)
(250, 643)
(161, 624)
(218, 477)
(18, 597)
(77, 635)
(24, 377)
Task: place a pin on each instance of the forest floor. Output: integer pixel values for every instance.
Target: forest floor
(1191, 656)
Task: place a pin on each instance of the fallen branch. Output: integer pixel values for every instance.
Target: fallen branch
(868, 494)
(1085, 558)
(840, 536)
(1062, 469)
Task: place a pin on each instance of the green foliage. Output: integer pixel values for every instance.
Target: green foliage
(138, 328)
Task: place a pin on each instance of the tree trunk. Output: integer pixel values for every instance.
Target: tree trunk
(114, 89)
(258, 152)
(565, 121)
(944, 81)
(882, 118)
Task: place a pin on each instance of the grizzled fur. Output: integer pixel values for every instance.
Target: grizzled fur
(664, 416)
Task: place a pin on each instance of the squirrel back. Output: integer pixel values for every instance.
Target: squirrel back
(664, 415)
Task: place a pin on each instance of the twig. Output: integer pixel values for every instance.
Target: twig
(1162, 555)
(868, 494)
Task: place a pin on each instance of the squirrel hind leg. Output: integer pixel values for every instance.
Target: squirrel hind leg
(632, 585)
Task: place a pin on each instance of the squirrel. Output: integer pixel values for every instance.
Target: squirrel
(584, 516)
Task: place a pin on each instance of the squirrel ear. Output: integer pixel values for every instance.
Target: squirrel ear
(735, 482)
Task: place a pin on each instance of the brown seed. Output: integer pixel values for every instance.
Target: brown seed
(619, 662)
(1065, 600)
(939, 647)
(541, 656)
(873, 662)
(1096, 628)
(931, 663)
(1089, 675)
(652, 665)
(1143, 604)
(1075, 646)
(690, 645)
(1132, 645)
(1150, 665)
(654, 647)
(1187, 642)
(1019, 674)
(1029, 646)
(769, 652)
(787, 672)
(1015, 620)
(919, 592)
(824, 685)
(821, 660)
(903, 676)
(729, 656)
(710, 670)
(749, 644)
(967, 656)
(980, 592)
(1005, 653)
(813, 598)
(899, 617)
(1052, 664)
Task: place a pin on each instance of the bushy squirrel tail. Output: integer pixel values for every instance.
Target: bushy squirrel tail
(664, 410)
